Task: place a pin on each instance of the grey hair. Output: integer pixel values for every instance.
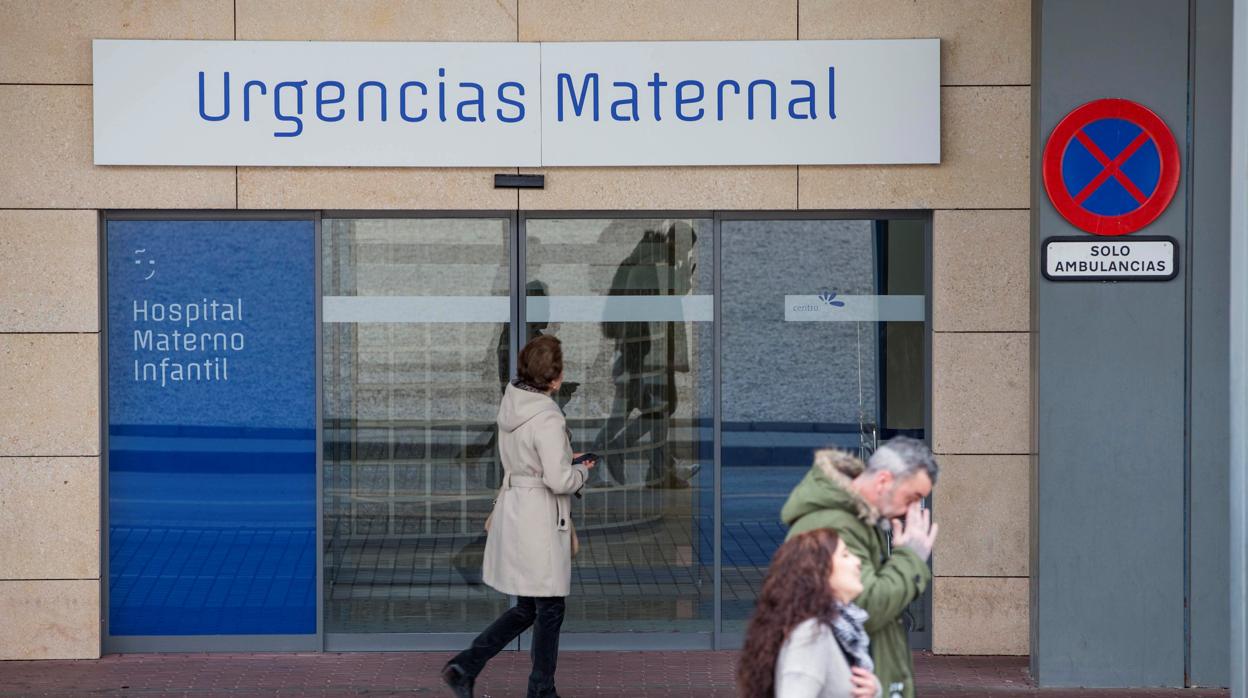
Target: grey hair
(903, 456)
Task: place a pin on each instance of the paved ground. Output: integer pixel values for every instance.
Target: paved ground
(389, 674)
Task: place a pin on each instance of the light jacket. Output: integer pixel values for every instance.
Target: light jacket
(811, 664)
(891, 579)
(528, 551)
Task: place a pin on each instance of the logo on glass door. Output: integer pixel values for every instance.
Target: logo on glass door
(830, 298)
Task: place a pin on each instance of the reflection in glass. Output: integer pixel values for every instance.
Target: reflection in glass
(417, 345)
(790, 386)
(631, 301)
(410, 399)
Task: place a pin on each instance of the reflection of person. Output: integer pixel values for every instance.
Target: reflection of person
(528, 552)
(467, 560)
(647, 354)
(842, 493)
(533, 329)
(806, 638)
(534, 287)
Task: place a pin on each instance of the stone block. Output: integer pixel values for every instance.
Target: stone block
(50, 619)
(980, 615)
(982, 42)
(981, 269)
(46, 137)
(981, 393)
(49, 41)
(983, 508)
(49, 395)
(660, 188)
(657, 20)
(377, 20)
(49, 271)
(372, 188)
(50, 518)
(985, 145)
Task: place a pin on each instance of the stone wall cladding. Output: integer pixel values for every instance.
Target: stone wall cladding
(50, 190)
(980, 198)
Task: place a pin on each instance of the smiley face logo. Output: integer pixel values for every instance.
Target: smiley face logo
(151, 263)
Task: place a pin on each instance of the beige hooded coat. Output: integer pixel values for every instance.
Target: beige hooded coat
(528, 551)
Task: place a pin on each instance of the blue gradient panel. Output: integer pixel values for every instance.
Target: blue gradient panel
(212, 427)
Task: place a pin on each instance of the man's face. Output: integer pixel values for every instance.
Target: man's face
(898, 494)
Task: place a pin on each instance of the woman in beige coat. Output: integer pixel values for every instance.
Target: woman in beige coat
(528, 550)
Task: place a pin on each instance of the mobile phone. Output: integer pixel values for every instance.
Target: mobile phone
(584, 457)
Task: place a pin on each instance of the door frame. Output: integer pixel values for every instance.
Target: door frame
(919, 640)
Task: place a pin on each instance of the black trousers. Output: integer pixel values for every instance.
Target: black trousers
(545, 614)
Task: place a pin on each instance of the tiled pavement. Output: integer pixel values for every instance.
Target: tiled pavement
(389, 674)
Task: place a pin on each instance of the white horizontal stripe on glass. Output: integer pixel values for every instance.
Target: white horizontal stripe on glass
(831, 307)
(699, 308)
(416, 309)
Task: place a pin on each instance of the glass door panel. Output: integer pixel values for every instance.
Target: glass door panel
(823, 344)
(632, 301)
(415, 348)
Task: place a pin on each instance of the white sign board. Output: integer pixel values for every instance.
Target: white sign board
(742, 103)
(1110, 259)
(275, 103)
(307, 103)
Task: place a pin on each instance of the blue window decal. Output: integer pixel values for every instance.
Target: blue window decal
(211, 427)
(829, 297)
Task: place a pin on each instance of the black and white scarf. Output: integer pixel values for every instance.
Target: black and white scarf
(851, 634)
(526, 387)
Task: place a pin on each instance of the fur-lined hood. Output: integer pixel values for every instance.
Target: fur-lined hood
(827, 486)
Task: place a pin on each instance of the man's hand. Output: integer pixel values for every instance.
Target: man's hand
(918, 534)
(865, 685)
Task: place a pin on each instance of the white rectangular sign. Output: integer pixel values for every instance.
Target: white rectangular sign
(1113, 259)
(741, 103)
(275, 103)
(308, 103)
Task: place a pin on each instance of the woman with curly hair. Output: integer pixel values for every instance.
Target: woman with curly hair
(806, 639)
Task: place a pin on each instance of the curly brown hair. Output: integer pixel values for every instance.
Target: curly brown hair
(796, 590)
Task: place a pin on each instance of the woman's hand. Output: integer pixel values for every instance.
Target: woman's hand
(589, 464)
(865, 685)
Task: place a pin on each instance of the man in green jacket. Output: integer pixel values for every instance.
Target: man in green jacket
(862, 503)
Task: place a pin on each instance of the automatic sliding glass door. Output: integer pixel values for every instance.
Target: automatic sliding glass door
(632, 301)
(823, 343)
(415, 347)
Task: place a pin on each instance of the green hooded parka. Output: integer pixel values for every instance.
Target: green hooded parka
(890, 579)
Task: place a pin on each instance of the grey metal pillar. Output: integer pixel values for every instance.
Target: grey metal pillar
(1111, 382)
(1239, 355)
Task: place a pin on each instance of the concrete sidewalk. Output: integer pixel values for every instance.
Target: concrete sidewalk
(410, 673)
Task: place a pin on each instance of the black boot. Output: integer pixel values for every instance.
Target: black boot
(460, 683)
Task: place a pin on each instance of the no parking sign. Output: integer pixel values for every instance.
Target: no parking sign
(1111, 167)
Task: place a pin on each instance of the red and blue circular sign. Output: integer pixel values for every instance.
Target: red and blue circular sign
(1111, 167)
